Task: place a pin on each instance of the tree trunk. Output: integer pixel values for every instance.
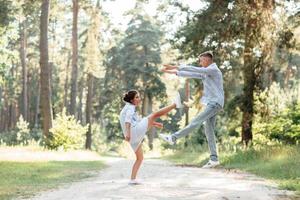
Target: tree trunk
(37, 106)
(46, 109)
(146, 110)
(1, 110)
(12, 116)
(74, 59)
(2, 120)
(24, 98)
(67, 83)
(187, 97)
(88, 143)
(249, 80)
(12, 104)
(257, 29)
(80, 116)
(152, 131)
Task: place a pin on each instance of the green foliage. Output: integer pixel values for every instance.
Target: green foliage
(284, 126)
(277, 117)
(280, 163)
(5, 12)
(140, 56)
(111, 121)
(28, 178)
(131, 64)
(23, 132)
(22, 135)
(66, 133)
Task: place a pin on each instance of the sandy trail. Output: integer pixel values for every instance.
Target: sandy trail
(162, 180)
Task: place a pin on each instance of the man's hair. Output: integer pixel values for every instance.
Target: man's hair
(207, 54)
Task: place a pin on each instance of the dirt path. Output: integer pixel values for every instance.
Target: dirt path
(161, 180)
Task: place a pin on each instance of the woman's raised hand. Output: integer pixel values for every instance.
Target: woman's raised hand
(170, 67)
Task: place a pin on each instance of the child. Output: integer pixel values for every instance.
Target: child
(134, 127)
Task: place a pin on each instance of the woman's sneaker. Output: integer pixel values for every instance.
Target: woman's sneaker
(211, 164)
(168, 138)
(134, 182)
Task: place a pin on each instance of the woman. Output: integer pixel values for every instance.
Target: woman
(134, 127)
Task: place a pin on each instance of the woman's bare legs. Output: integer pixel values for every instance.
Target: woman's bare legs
(159, 113)
(151, 122)
(138, 162)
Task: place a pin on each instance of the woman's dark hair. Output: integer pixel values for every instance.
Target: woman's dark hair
(129, 96)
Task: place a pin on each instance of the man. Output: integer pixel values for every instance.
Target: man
(213, 99)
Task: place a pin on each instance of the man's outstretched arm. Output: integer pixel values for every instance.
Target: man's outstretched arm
(202, 70)
(185, 74)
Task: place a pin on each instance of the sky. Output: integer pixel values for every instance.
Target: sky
(117, 8)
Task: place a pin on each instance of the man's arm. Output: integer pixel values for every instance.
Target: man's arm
(189, 68)
(193, 69)
(185, 74)
(188, 74)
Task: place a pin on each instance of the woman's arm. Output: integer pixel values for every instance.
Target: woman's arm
(170, 67)
(128, 120)
(128, 131)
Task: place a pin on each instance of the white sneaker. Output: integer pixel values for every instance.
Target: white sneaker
(177, 100)
(167, 138)
(134, 182)
(188, 103)
(211, 164)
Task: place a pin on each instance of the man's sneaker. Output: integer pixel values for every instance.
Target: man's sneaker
(177, 100)
(188, 103)
(134, 182)
(167, 138)
(211, 164)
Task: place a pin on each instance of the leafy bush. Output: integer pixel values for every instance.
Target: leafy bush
(278, 116)
(21, 134)
(66, 133)
(285, 126)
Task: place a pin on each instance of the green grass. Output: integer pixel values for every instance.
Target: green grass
(27, 178)
(281, 163)
(278, 163)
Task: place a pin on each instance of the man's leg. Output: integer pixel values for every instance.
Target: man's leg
(208, 112)
(209, 127)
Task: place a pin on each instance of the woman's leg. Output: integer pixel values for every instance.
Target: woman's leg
(159, 113)
(138, 162)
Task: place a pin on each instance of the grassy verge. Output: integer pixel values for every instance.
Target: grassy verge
(24, 171)
(26, 178)
(278, 163)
